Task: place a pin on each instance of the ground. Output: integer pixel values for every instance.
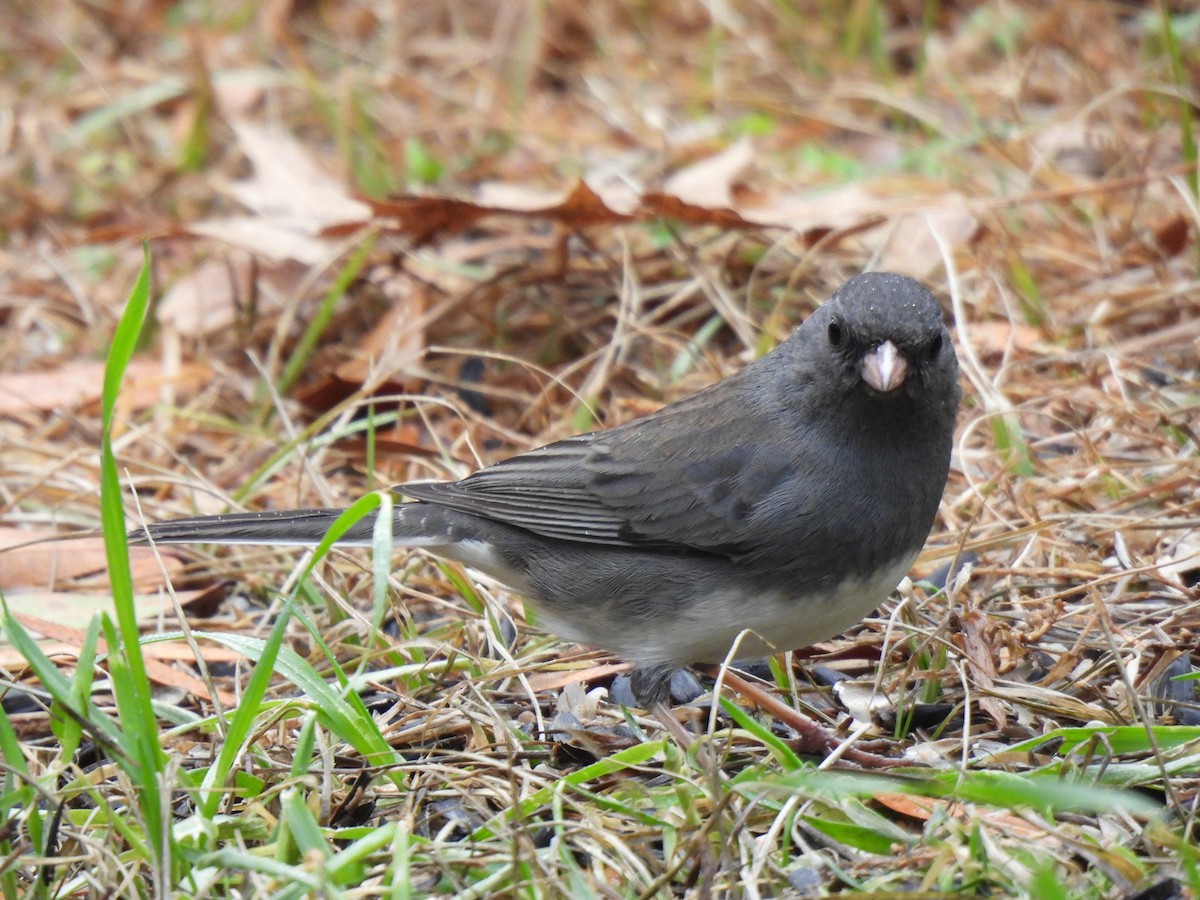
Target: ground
(398, 241)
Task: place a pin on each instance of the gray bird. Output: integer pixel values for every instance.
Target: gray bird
(785, 501)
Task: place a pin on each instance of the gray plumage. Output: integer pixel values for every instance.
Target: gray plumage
(787, 499)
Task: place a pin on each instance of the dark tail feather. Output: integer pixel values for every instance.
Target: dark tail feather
(286, 527)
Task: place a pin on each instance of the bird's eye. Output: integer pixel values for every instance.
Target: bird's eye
(934, 348)
(835, 334)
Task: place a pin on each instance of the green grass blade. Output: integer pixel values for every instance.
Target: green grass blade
(781, 751)
(1187, 132)
(628, 758)
(67, 728)
(132, 694)
(344, 716)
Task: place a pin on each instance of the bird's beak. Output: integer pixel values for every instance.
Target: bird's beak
(884, 368)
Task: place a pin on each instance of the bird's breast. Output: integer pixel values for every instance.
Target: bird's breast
(759, 618)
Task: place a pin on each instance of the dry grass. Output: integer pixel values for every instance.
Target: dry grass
(1044, 144)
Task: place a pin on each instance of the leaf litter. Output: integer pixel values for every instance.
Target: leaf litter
(617, 229)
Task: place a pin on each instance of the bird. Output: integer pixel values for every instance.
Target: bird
(773, 509)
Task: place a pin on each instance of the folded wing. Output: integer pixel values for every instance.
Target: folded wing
(674, 480)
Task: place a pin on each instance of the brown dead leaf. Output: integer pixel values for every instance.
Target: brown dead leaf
(924, 808)
(911, 247)
(920, 808)
(558, 679)
(1172, 235)
(828, 210)
(288, 185)
(70, 639)
(11, 659)
(396, 341)
(700, 195)
(52, 564)
(423, 218)
(74, 384)
(291, 197)
(606, 196)
(379, 363)
(76, 608)
(158, 671)
(583, 207)
(207, 299)
(709, 182)
(667, 207)
(972, 639)
(994, 337)
(401, 441)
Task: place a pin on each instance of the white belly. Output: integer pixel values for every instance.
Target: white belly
(762, 623)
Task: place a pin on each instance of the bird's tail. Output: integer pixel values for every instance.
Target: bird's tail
(276, 528)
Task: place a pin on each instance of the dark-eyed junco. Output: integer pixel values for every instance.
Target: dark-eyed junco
(781, 504)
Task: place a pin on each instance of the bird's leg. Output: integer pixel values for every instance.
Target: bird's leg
(651, 686)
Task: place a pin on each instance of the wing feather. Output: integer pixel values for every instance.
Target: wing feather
(672, 480)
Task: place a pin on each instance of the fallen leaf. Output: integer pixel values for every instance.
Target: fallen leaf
(862, 699)
(266, 237)
(840, 207)
(924, 808)
(1172, 235)
(912, 248)
(709, 182)
(560, 678)
(288, 185)
(76, 608)
(75, 384)
(667, 207)
(206, 300)
(380, 363)
(291, 197)
(993, 337)
(164, 651)
(391, 446)
(158, 672)
(395, 343)
(972, 638)
(49, 565)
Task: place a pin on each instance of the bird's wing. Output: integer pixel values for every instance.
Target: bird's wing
(689, 477)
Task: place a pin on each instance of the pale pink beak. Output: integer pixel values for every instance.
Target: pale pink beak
(884, 368)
